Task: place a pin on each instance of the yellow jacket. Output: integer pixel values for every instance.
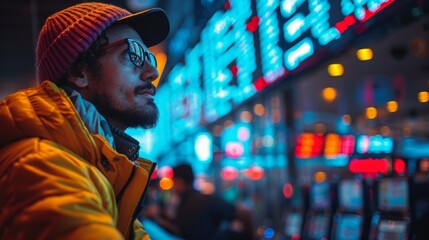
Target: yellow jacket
(58, 180)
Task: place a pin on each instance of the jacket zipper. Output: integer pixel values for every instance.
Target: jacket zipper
(121, 193)
(139, 206)
(142, 197)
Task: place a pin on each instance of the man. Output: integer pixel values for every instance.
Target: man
(67, 169)
(200, 216)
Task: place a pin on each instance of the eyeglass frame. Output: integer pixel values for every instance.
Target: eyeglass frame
(130, 41)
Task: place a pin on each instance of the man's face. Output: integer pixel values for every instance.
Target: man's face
(123, 93)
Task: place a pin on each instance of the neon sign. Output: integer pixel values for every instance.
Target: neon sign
(374, 144)
(309, 145)
(332, 145)
(369, 165)
(245, 48)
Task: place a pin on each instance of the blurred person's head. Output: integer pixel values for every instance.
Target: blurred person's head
(101, 51)
(183, 178)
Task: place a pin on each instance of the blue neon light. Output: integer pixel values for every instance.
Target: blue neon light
(290, 7)
(374, 144)
(294, 27)
(269, 31)
(226, 67)
(203, 147)
(298, 53)
(233, 44)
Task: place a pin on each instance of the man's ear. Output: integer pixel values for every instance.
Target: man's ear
(78, 77)
(79, 81)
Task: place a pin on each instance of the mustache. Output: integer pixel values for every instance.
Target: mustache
(148, 86)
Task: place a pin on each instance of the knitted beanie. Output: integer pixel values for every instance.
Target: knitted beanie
(71, 32)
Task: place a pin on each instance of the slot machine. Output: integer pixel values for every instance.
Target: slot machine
(350, 218)
(295, 215)
(419, 200)
(319, 216)
(391, 220)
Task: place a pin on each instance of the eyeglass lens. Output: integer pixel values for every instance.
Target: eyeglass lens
(138, 54)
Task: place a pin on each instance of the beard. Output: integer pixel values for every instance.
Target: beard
(145, 117)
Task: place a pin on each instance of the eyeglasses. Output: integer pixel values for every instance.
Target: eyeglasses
(136, 52)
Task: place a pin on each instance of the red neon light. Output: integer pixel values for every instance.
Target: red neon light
(348, 21)
(287, 190)
(309, 145)
(255, 173)
(227, 5)
(370, 165)
(260, 84)
(228, 173)
(253, 24)
(399, 165)
(234, 70)
(347, 144)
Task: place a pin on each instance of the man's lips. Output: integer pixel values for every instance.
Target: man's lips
(148, 91)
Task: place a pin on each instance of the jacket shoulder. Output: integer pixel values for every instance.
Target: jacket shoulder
(44, 184)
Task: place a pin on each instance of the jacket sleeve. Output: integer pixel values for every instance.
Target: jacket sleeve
(50, 193)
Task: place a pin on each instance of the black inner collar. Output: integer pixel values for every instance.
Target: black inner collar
(125, 144)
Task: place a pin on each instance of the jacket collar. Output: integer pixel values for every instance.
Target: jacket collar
(92, 119)
(125, 144)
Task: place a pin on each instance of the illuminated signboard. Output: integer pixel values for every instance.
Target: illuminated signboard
(369, 165)
(251, 44)
(377, 165)
(333, 146)
(330, 146)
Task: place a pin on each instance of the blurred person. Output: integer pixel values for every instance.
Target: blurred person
(67, 168)
(201, 216)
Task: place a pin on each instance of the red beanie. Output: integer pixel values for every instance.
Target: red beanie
(72, 31)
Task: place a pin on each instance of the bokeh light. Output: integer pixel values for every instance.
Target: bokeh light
(371, 112)
(364, 54)
(335, 69)
(329, 94)
(166, 183)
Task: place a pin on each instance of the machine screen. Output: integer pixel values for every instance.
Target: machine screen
(319, 226)
(351, 194)
(393, 194)
(320, 195)
(293, 224)
(349, 227)
(392, 230)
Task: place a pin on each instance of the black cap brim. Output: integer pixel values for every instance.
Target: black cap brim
(152, 25)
